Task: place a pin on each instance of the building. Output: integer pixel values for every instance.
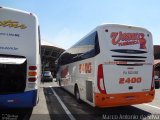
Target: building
(157, 59)
(49, 53)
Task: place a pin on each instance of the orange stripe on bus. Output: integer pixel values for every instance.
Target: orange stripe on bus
(112, 100)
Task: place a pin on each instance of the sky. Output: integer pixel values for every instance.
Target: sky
(64, 22)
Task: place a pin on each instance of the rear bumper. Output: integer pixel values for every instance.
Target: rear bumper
(20, 100)
(113, 100)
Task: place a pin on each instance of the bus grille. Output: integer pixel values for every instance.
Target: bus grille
(135, 60)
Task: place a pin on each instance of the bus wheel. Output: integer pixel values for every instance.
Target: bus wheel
(77, 95)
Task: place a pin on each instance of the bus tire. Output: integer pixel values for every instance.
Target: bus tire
(77, 94)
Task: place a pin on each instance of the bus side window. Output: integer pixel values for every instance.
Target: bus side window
(97, 48)
(85, 49)
(93, 46)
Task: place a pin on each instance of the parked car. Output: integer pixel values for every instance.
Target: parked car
(47, 76)
(157, 82)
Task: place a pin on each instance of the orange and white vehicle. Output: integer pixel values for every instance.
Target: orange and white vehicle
(111, 66)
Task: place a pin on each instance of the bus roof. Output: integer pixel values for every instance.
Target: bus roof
(17, 10)
(109, 25)
(121, 25)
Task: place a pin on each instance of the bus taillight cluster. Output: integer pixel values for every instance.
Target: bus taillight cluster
(32, 73)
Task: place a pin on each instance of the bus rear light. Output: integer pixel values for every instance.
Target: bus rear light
(32, 67)
(32, 79)
(32, 73)
(101, 82)
(100, 78)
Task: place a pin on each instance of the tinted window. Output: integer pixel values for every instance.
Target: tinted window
(86, 48)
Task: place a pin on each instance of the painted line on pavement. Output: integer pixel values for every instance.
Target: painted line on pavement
(152, 106)
(63, 105)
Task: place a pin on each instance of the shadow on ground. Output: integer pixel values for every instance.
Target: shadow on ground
(83, 111)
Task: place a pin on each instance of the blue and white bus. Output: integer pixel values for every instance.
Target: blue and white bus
(20, 63)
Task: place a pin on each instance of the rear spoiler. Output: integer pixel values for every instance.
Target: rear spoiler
(11, 60)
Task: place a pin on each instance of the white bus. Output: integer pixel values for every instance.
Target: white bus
(20, 63)
(111, 66)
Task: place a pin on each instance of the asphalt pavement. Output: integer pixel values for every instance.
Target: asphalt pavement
(56, 103)
(83, 111)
